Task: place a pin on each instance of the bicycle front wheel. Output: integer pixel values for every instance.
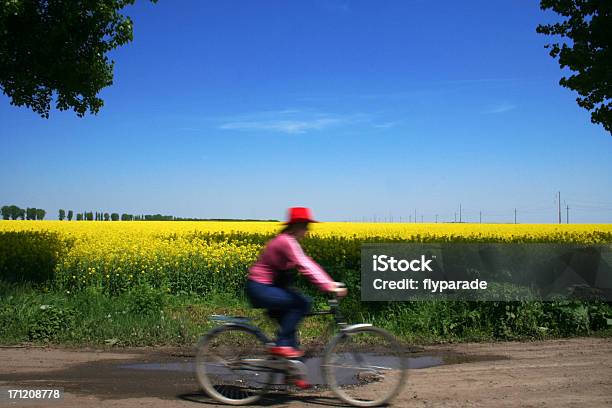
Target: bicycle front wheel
(365, 366)
(230, 365)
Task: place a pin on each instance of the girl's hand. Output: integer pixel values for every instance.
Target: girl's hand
(340, 289)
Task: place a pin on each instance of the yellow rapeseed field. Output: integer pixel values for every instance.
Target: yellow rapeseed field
(106, 229)
(206, 256)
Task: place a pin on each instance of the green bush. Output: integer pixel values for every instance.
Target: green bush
(30, 256)
(145, 300)
(6, 316)
(50, 321)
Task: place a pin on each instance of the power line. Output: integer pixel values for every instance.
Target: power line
(559, 202)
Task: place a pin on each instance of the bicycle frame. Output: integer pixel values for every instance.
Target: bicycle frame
(238, 321)
(333, 310)
(279, 364)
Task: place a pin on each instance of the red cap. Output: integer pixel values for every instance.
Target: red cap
(299, 214)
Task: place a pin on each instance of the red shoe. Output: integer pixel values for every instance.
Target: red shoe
(302, 384)
(286, 351)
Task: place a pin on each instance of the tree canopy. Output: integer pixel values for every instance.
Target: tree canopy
(58, 49)
(588, 24)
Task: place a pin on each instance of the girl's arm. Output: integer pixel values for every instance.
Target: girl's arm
(309, 268)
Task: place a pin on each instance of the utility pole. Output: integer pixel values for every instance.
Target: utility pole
(415, 220)
(480, 217)
(567, 213)
(410, 218)
(459, 212)
(559, 207)
(436, 218)
(421, 219)
(515, 215)
(455, 217)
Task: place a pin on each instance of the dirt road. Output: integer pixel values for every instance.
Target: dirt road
(560, 373)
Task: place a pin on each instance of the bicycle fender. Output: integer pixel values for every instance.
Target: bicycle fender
(260, 335)
(355, 326)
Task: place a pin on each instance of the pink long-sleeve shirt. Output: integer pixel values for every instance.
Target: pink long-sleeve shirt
(283, 252)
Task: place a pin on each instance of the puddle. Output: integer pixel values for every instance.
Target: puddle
(313, 365)
(167, 376)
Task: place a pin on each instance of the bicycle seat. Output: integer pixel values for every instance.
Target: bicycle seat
(230, 319)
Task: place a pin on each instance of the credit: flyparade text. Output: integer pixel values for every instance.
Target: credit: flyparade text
(433, 286)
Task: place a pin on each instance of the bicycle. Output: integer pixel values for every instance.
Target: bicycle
(234, 367)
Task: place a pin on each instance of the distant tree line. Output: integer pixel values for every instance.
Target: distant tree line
(104, 216)
(12, 212)
(222, 219)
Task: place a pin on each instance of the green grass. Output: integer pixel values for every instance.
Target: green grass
(146, 316)
(142, 317)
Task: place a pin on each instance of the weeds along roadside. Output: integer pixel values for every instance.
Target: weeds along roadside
(147, 316)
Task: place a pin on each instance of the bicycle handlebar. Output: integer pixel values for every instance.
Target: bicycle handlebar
(333, 304)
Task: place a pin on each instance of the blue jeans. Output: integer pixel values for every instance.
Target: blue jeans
(287, 306)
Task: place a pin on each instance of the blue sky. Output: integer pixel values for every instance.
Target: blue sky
(358, 109)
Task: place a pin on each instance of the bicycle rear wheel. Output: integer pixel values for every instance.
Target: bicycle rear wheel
(230, 365)
(365, 366)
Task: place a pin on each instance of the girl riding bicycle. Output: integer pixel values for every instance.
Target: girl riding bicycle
(269, 280)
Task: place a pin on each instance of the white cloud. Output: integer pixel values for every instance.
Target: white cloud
(284, 126)
(503, 108)
(385, 125)
(290, 121)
